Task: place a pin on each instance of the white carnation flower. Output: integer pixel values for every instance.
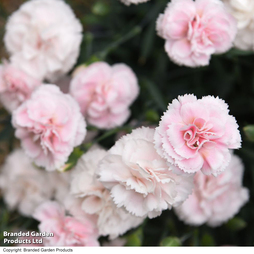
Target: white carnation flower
(96, 199)
(24, 187)
(243, 11)
(43, 38)
(60, 182)
(139, 179)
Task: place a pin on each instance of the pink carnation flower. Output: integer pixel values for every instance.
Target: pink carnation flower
(145, 184)
(196, 134)
(49, 125)
(15, 86)
(43, 38)
(194, 30)
(104, 93)
(215, 199)
(68, 231)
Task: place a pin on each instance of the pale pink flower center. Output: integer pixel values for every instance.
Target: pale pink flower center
(153, 175)
(196, 134)
(13, 85)
(198, 33)
(47, 136)
(39, 44)
(210, 188)
(98, 97)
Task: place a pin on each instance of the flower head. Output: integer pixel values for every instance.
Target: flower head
(196, 134)
(67, 230)
(194, 30)
(243, 11)
(139, 179)
(104, 93)
(215, 199)
(23, 186)
(43, 38)
(49, 125)
(96, 200)
(15, 86)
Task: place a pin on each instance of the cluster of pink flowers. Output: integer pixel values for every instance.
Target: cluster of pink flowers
(50, 121)
(145, 185)
(185, 163)
(196, 29)
(142, 174)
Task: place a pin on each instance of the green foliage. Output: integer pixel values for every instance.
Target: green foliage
(249, 132)
(207, 240)
(170, 241)
(152, 116)
(135, 239)
(236, 224)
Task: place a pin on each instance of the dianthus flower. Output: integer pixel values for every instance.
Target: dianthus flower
(243, 11)
(104, 93)
(23, 185)
(96, 200)
(43, 38)
(194, 30)
(49, 125)
(15, 86)
(215, 199)
(196, 134)
(139, 179)
(67, 230)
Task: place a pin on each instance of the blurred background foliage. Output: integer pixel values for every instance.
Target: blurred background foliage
(116, 33)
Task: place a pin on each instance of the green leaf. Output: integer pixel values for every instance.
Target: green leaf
(90, 19)
(152, 116)
(171, 241)
(73, 159)
(135, 239)
(155, 94)
(92, 59)
(249, 132)
(148, 41)
(236, 224)
(121, 40)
